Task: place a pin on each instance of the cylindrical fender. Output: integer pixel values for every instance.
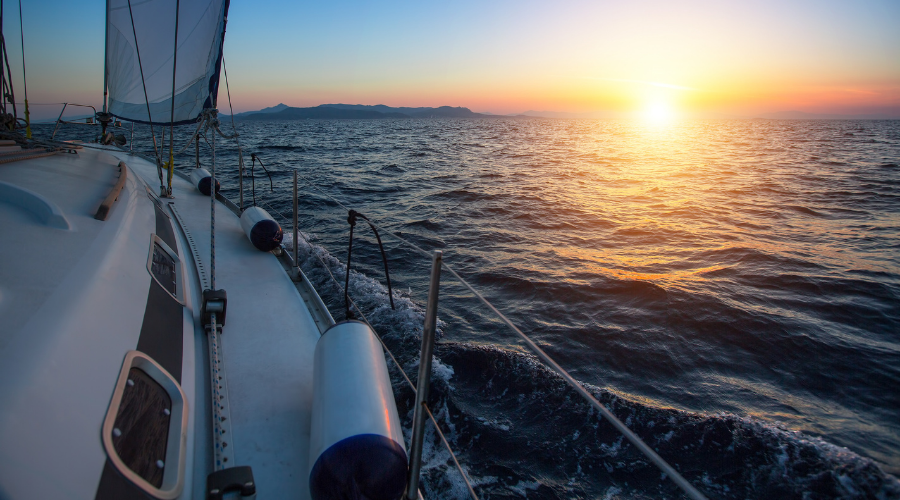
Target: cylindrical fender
(200, 178)
(261, 228)
(356, 444)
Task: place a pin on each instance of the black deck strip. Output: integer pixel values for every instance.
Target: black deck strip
(115, 486)
(162, 333)
(162, 338)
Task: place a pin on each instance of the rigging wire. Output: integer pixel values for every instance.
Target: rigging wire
(12, 93)
(24, 79)
(254, 158)
(236, 138)
(137, 49)
(6, 86)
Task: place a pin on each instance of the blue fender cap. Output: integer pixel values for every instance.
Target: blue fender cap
(361, 467)
(266, 235)
(203, 185)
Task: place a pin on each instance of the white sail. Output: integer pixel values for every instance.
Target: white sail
(201, 30)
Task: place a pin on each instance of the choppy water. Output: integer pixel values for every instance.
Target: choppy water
(731, 289)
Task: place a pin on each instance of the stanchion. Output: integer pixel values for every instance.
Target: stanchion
(418, 430)
(296, 263)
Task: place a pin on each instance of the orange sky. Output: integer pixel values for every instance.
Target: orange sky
(693, 57)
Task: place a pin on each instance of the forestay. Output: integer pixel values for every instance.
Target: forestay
(201, 31)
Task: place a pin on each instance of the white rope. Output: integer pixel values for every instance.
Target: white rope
(212, 218)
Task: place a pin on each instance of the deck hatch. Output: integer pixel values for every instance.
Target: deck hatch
(165, 268)
(141, 428)
(145, 430)
(162, 267)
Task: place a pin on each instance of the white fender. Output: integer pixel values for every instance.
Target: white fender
(356, 443)
(200, 178)
(261, 229)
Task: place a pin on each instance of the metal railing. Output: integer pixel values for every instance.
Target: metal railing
(421, 408)
(59, 119)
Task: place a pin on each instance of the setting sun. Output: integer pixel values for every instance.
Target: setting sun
(658, 112)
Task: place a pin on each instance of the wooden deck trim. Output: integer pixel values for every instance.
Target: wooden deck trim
(103, 211)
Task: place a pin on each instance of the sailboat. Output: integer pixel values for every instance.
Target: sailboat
(158, 340)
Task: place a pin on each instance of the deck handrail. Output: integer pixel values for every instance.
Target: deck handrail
(103, 210)
(59, 119)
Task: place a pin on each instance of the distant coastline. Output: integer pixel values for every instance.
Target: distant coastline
(381, 111)
(364, 112)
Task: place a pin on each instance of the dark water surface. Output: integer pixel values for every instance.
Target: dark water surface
(731, 289)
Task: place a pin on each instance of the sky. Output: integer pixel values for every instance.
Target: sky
(691, 57)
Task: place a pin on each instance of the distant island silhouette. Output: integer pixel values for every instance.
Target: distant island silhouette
(361, 111)
(380, 111)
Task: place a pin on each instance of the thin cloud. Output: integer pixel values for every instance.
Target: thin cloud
(858, 91)
(642, 82)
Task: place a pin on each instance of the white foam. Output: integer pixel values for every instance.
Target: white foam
(611, 493)
(521, 487)
(613, 449)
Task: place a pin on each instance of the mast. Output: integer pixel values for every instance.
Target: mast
(104, 117)
(106, 57)
(171, 165)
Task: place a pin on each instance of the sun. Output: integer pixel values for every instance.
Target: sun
(658, 113)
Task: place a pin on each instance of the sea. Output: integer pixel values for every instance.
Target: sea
(730, 289)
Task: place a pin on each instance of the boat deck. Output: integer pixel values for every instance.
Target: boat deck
(74, 299)
(73, 295)
(268, 341)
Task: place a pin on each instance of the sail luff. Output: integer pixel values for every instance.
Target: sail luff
(214, 81)
(200, 35)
